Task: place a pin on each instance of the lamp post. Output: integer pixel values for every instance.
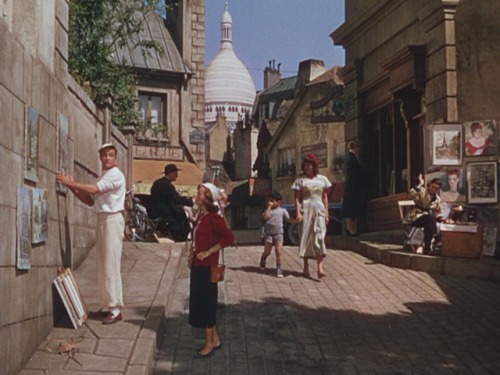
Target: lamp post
(215, 172)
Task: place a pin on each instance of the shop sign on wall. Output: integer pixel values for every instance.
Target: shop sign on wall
(159, 152)
(320, 150)
(197, 137)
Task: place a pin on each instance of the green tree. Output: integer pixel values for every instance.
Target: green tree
(97, 29)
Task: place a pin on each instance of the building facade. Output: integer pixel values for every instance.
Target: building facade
(313, 124)
(417, 71)
(171, 92)
(48, 123)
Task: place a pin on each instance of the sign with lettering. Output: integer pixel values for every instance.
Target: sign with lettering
(159, 152)
(197, 137)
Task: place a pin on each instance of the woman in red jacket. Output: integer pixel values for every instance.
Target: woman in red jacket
(210, 235)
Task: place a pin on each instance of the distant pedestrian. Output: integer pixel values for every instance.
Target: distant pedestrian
(211, 234)
(311, 202)
(107, 196)
(353, 201)
(274, 215)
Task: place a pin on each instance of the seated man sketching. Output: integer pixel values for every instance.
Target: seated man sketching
(427, 211)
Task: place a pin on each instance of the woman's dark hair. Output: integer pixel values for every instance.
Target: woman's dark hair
(311, 158)
(351, 145)
(475, 126)
(436, 181)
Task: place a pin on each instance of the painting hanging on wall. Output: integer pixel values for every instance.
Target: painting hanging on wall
(453, 185)
(482, 182)
(446, 144)
(32, 122)
(480, 138)
(24, 201)
(39, 230)
(62, 149)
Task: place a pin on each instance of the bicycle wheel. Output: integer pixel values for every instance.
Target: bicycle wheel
(141, 226)
(129, 231)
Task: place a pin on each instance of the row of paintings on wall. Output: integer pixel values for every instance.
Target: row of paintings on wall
(32, 202)
(472, 182)
(477, 184)
(446, 144)
(32, 225)
(32, 130)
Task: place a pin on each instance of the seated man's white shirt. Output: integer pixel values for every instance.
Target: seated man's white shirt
(111, 196)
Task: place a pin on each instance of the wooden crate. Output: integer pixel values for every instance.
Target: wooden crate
(462, 244)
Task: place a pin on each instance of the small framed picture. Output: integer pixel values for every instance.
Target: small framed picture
(482, 182)
(480, 138)
(446, 144)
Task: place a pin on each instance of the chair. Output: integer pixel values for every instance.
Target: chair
(414, 237)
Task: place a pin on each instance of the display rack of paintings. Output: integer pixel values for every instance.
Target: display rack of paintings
(62, 149)
(482, 182)
(31, 128)
(70, 295)
(24, 202)
(480, 138)
(446, 144)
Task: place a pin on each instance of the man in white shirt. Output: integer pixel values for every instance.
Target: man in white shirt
(107, 196)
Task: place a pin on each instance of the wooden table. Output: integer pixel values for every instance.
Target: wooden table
(461, 240)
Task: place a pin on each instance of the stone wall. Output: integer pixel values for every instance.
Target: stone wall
(477, 41)
(33, 73)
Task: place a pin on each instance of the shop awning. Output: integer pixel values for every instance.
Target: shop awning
(147, 171)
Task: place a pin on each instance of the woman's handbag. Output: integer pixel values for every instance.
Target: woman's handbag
(217, 271)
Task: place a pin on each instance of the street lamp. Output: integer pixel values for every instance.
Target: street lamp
(215, 172)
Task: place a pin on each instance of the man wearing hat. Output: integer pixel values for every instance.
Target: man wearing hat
(107, 196)
(168, 204)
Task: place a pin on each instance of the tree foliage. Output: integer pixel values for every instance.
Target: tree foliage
(97, 28)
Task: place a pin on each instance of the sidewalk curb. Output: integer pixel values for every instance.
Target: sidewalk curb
(144, 352)
(393, 256)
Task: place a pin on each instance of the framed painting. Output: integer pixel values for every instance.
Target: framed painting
(39, 229)
(62, 149)
(480, 138)
(24, 201)
(446, 144)
(482, 182)
(453, 185)
(32, 122)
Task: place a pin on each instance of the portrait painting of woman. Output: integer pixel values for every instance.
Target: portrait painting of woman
(480, 138)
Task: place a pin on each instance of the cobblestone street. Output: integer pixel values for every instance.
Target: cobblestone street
(363, 318)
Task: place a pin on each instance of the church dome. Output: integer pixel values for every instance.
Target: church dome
(229, 88)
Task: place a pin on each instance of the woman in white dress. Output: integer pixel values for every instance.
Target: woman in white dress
(311, 201)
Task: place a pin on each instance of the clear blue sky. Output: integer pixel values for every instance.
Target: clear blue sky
(288, 31)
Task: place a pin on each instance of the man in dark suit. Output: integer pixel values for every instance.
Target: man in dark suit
(168, 204)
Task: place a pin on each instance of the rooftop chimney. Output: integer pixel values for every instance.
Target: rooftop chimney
(308, 71)
(271, 75)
